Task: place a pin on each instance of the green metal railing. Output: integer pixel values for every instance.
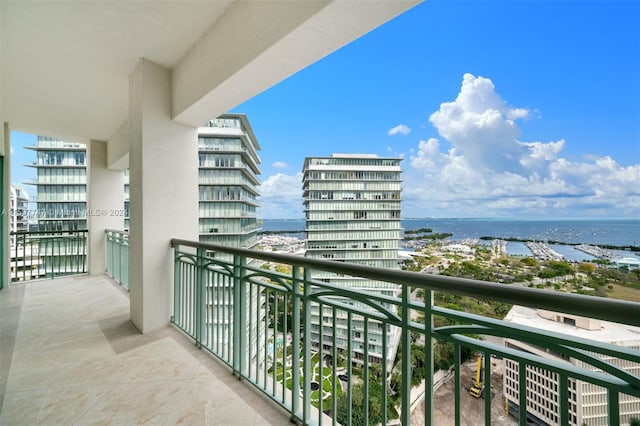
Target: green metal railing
(47, 254)
(313, 346)
(118, 256)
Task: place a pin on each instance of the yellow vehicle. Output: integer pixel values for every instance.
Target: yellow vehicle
(477, 388)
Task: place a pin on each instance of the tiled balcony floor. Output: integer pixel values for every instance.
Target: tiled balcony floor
(70, 356)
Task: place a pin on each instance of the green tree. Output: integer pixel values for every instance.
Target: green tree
(357, 406)
(587, 268)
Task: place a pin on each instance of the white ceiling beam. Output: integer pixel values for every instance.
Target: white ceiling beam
(255, 45)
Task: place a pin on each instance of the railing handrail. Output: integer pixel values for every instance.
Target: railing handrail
(115, 231)
(619, 311)
(68, 231)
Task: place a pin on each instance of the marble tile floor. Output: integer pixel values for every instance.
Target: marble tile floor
(70, 356)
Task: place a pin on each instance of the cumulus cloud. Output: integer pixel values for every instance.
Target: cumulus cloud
(280, 165)
(482, 168)
(401, 129)
(281, 196)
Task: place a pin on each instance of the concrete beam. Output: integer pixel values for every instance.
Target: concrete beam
(255, 45)
(118, 148)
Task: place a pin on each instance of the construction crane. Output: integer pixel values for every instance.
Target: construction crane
(477, 388)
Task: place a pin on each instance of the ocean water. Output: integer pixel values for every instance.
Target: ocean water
(618, 232)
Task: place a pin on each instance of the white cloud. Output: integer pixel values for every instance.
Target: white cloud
(485, 170)
(12, 151)
(399, 129)
(281, 197)
(280, 165)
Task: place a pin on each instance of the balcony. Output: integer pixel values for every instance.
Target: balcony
(238, 318)
(71, 352)
(70, 355)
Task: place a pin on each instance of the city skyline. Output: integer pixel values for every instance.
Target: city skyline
(521, 110)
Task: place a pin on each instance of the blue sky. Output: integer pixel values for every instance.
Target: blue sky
(500, 109)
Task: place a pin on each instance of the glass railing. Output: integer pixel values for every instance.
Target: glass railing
(47, 254)
(336, 355)
(118, 256)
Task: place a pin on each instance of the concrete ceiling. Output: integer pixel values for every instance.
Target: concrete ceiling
(61, 58)
(65, 66)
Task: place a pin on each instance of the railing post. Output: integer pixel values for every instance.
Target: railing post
(239, 315)
(522, 392)
(405, 414)
(200, 304)
(125, 261)
(429, 357)
(306, 395)
(107, 237)
(613, 408)
(456, 386)
(487, 388)
(295, 357)
(84, 250)
(563, 399)
(177, 303)
(117, 270)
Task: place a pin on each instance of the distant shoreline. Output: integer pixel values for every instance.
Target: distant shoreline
(530, 240)
(630, 248)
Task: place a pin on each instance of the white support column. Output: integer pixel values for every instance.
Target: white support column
(105, 204)
(163, 187)
(5, 152)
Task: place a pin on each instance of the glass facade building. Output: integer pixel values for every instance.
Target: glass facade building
(61, 182)
(228, 164)
(352, 212)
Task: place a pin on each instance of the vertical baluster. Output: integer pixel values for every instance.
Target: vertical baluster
(320, 354)
(307, 347)
(349, 367)
(334, 359)
(428, 356)
(405, 416)
(563, 399)
(613, 410)
(274, 348)
(385, 382)
(285, 328)
(456, 386)
(295, 359)
(522, 391)
(487, 389)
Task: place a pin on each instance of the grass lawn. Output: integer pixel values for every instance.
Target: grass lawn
(624, 293)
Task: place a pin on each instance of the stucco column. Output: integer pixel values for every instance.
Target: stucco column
(163, 188)
(5, 153)
(105, 204)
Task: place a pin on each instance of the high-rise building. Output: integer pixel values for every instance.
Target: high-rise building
(61, 183)
(352, 212)
(61, 206)
(227, 183)
(228, 167)
(25, 263)
(228, 164)
(19, 203)
(588, 403)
